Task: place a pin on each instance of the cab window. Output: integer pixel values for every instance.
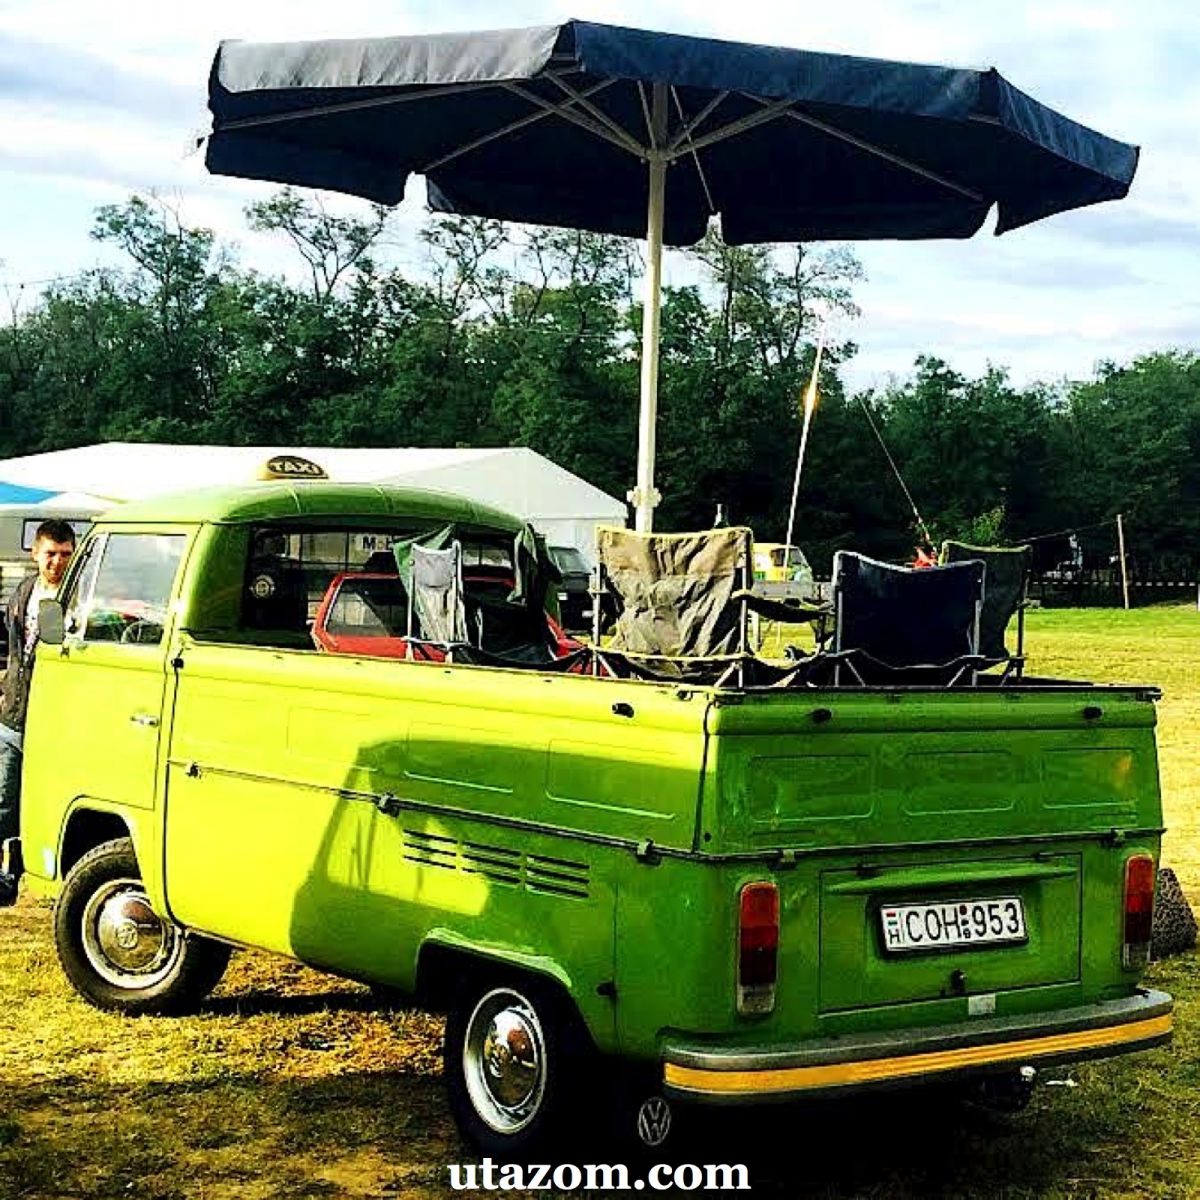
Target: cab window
(290, 570)
(368, 607)
(122, 590)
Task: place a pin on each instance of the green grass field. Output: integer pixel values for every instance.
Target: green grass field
(292, 1084)
(1147, 645)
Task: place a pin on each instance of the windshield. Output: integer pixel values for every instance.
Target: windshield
(569, 560)
(793, 554)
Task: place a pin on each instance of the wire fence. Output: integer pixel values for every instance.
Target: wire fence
(1102, 588)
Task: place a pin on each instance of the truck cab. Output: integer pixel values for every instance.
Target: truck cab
(776, 563)
(730, 893)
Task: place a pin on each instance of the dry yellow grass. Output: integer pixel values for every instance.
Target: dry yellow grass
(289, 1083)
(292, 1084)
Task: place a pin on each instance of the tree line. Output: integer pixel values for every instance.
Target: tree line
(530, 336)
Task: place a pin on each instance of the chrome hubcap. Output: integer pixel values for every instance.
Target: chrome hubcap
(126, 942)
(504, 1060)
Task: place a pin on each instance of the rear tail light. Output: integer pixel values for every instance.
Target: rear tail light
(1139, 911)
(758, 948)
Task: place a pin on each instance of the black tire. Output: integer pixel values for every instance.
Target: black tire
(117, 953)
(547, 1054)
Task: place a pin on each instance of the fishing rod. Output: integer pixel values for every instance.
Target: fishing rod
(922, 528)
(810, 404)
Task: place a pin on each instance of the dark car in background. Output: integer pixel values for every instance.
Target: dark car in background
(574, 599)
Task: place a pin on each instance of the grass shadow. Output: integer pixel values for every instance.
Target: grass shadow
(268, 1003)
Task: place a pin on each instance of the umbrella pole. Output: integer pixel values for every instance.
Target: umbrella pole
(644, 496)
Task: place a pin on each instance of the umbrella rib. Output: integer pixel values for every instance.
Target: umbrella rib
(503, 132)
(712, 208)
(733, 128)
(612, 126)
(625, 143)
(641, 89)
(691, 126)
(326, 110)
(886, 155)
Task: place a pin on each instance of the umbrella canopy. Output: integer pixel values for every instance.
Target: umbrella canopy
(631, 132)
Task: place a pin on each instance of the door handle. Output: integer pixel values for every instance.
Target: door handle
(144, 719)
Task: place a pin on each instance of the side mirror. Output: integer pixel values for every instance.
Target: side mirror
(51, 626)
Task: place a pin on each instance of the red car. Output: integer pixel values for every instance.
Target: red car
(367, 613)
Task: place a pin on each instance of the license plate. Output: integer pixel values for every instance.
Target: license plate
(955, 923)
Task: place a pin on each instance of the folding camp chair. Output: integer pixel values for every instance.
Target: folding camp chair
(680, 594)
(684, 600)
(896, 625)
(1006, 584)
(436, 613)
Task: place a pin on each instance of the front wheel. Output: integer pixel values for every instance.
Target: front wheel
(116, 951)
(514, 1058)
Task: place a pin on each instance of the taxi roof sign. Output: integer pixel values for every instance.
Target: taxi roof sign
(291, 466)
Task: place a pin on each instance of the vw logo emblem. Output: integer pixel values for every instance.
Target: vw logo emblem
(653, 1121)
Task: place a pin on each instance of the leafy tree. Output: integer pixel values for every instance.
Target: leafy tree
(1132, 436)
(331, 246)
(733, 377)
(164, 331)
(974, 452)
(531, 336)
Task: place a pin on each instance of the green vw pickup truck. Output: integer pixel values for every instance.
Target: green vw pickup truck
(732, 894)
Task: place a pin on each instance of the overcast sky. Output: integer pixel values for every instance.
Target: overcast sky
(98, 101)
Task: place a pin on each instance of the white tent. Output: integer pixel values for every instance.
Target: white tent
(559, 504)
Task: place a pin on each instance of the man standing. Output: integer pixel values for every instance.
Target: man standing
(53, 546)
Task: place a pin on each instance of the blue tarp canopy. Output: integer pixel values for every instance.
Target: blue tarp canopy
(552, 125)
(15, 493)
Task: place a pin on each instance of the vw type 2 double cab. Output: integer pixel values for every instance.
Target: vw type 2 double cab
(735, 894)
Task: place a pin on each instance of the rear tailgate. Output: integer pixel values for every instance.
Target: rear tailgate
(952, 844)
(958, 926)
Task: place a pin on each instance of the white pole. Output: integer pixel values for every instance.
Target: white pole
(1124, 572)
(644, 496)
(810, 403)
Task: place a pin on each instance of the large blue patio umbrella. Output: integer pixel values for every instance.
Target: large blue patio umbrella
(651, 135)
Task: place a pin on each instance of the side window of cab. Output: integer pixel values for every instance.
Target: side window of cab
(122, 589)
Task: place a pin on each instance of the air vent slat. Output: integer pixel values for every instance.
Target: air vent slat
(558, 862)
(549, 889)
(541, 874)
(498, 851)
(446, 864)
(560, 876)
(503, 864)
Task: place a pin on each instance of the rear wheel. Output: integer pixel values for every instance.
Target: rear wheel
(515, 1060)
(117, 951)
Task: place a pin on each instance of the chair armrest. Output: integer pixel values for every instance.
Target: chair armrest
(790, 612)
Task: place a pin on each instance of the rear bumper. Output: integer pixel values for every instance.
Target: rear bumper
(747, 1075)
